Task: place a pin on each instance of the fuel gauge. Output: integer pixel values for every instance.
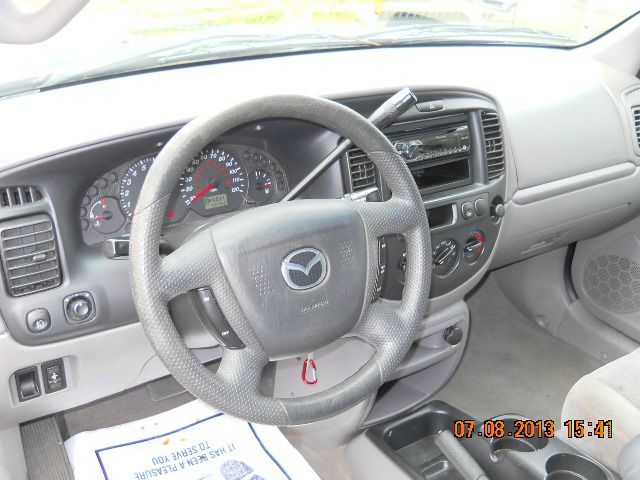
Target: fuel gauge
(105, 215)
(261, 186)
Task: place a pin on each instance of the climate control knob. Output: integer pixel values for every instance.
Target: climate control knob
(474, 246)
(446, 256)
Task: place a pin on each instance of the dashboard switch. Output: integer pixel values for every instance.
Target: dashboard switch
(27, 384)
(213, 318)
(453, 335)
(38, 320)
(53, 376)
(467, 210)
(481, 206)
(79, 307)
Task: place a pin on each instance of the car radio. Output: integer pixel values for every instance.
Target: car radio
(434, 144)
(437, 157)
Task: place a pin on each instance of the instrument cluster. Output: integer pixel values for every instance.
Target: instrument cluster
(222, 178)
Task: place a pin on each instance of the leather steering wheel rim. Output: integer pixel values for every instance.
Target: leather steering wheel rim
(203, 261)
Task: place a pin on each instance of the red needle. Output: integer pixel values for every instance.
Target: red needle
(98, 217)
(202, 193)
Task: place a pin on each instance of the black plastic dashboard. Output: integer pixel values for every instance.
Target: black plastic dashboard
(450, 143)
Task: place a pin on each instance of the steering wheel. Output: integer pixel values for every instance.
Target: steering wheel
(290, 277)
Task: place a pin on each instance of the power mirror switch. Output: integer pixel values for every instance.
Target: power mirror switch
(53, 376)
(27, 384)
(79, 307)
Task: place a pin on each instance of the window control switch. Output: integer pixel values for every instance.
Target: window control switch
(53, 376)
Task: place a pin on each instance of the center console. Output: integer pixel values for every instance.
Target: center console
(439, 441)
(454, 147)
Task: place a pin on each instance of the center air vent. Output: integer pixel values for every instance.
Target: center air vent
(361, 169)
(14, 196)
(636, 122)
(29, 255)
(493, 143)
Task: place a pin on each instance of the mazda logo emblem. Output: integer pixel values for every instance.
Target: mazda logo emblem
(304, 268)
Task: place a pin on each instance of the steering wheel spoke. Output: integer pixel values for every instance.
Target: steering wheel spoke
(385, 218)
(188, 267)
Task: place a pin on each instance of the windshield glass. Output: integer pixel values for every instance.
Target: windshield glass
(110, 37)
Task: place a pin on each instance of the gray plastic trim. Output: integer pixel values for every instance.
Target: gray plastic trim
(623, 242)
(368, 462)
(536, 286)
(571, 184)
(12, 462)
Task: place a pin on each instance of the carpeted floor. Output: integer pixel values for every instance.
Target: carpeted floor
(510, 364)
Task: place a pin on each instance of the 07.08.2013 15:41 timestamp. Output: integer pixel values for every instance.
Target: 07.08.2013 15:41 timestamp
(525, 428)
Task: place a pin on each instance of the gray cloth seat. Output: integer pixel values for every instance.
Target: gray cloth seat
(610, 392)
(629, 460)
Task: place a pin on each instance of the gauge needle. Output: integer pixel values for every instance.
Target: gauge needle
(202, 193)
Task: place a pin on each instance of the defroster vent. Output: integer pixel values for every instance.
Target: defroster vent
(362, 170)
(14, 196)
(29, 255)
(493, 143)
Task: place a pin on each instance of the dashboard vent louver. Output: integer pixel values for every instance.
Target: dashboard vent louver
(636, 122)
(29, 255)
(361, 169)
(493, 144)
(14, 196)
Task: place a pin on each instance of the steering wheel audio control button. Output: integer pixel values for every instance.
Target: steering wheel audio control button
(213, 319)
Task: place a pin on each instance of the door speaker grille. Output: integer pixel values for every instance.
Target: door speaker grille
(613, 283)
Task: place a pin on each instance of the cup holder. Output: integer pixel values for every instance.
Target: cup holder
(567, 466)
(515, 438)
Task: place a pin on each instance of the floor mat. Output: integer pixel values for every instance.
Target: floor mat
(190, 442)
(510, 364)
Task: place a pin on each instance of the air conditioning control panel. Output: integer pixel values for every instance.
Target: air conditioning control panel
(463, 236)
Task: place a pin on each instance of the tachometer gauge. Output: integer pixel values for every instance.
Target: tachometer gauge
(105, 215)
(261, 187)
(213, 183)
(131, 183)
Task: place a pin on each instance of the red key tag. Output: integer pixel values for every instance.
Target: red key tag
(309, 371)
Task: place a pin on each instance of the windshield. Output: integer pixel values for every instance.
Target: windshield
(110, 37)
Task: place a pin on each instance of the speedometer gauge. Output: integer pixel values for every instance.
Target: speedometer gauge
(213, 183)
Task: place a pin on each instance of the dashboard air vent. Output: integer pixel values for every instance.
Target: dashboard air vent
(361, 169)
(636, 122)
(29, 255)
(14, 196)
(493, 144)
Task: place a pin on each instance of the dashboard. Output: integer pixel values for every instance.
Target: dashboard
(452, 142)
(516, 151)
